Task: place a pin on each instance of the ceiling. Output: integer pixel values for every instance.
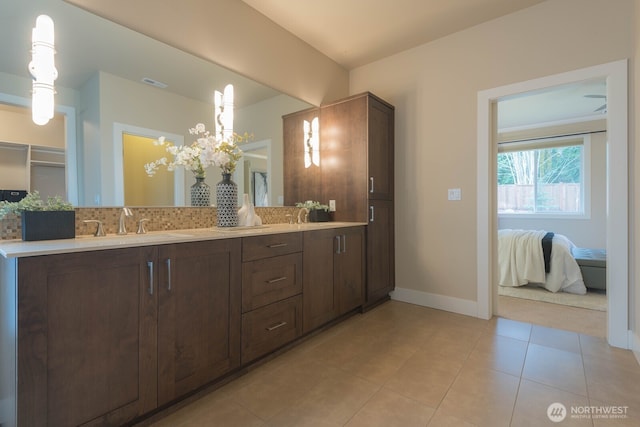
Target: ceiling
(357, 32)
(351, 32)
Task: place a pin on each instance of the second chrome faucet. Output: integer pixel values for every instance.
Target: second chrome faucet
(124, 213)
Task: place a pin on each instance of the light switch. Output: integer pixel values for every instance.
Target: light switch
(455, 194)
(332, 205)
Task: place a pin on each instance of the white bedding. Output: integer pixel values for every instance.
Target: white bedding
(521, 262)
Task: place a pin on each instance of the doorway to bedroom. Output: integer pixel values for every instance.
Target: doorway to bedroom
(616, 183)
(551, 175)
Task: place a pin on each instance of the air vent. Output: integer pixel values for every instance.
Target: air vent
(155, 83)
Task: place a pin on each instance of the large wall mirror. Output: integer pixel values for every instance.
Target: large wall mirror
(109, 88)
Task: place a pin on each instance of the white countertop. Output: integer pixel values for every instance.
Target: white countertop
(20, 248)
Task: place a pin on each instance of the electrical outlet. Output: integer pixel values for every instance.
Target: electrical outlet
(455, 194)
(332, 205)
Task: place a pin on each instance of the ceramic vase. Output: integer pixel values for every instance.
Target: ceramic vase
(200, 193)
(227, 202)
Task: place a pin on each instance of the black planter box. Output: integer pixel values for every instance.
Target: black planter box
(48, 225)
(319, 215)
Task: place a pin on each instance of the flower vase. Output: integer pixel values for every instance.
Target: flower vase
(227, 202)
(200, 193)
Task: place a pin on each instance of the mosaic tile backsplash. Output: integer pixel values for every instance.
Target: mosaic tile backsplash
(159, 219)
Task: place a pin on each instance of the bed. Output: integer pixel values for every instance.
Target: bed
(521, 261)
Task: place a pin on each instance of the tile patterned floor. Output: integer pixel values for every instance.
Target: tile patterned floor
(405, 365)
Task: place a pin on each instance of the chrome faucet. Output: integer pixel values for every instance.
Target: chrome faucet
(306, 215)
(99, 229)
(126, 212)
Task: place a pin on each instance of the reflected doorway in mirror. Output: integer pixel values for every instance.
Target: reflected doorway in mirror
(176, 183)
(257, 157)
(260, 185)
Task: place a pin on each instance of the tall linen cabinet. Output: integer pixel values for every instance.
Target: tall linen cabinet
(356, 170)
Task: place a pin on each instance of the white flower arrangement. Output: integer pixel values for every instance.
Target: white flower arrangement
(205, 151)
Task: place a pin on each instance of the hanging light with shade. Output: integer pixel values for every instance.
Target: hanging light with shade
(43, 70)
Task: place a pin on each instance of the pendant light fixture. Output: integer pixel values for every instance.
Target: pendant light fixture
(311, 141)
(224, 114)
(43, 70)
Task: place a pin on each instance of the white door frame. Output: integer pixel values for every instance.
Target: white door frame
(618, 333)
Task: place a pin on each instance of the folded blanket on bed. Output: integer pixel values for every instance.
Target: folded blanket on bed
(521, 261)
(521, 257)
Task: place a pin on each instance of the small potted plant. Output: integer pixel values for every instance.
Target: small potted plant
(53, 219)
(317, 212)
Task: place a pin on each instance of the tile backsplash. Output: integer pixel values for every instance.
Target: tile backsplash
(159, 219)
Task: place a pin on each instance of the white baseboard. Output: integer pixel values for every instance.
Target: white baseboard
(440, 302)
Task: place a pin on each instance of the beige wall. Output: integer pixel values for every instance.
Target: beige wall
(434, 88)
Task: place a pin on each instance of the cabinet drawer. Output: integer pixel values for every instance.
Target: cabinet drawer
(270, 245)
(270, 327)
(268, 280)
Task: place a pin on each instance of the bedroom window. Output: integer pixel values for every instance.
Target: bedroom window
(542, 177)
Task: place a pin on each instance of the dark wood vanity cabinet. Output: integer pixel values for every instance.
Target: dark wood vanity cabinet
(198, 314)
(86, 338)
(357, 134)
(333, 279)
(107, 336)
(356, 170)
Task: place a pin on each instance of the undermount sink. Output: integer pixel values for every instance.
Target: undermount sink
(241, 228)
(177, 235)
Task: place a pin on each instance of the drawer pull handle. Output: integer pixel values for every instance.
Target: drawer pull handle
(168, 274)
(277, 279)
(277, 245)
(150, 267)
(276, 326)
(371, 187)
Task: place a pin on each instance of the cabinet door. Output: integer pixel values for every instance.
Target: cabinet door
(380, 251)
(349, 269)
(381, 128)
(86, 338)
(198, 314)
(320, 302)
